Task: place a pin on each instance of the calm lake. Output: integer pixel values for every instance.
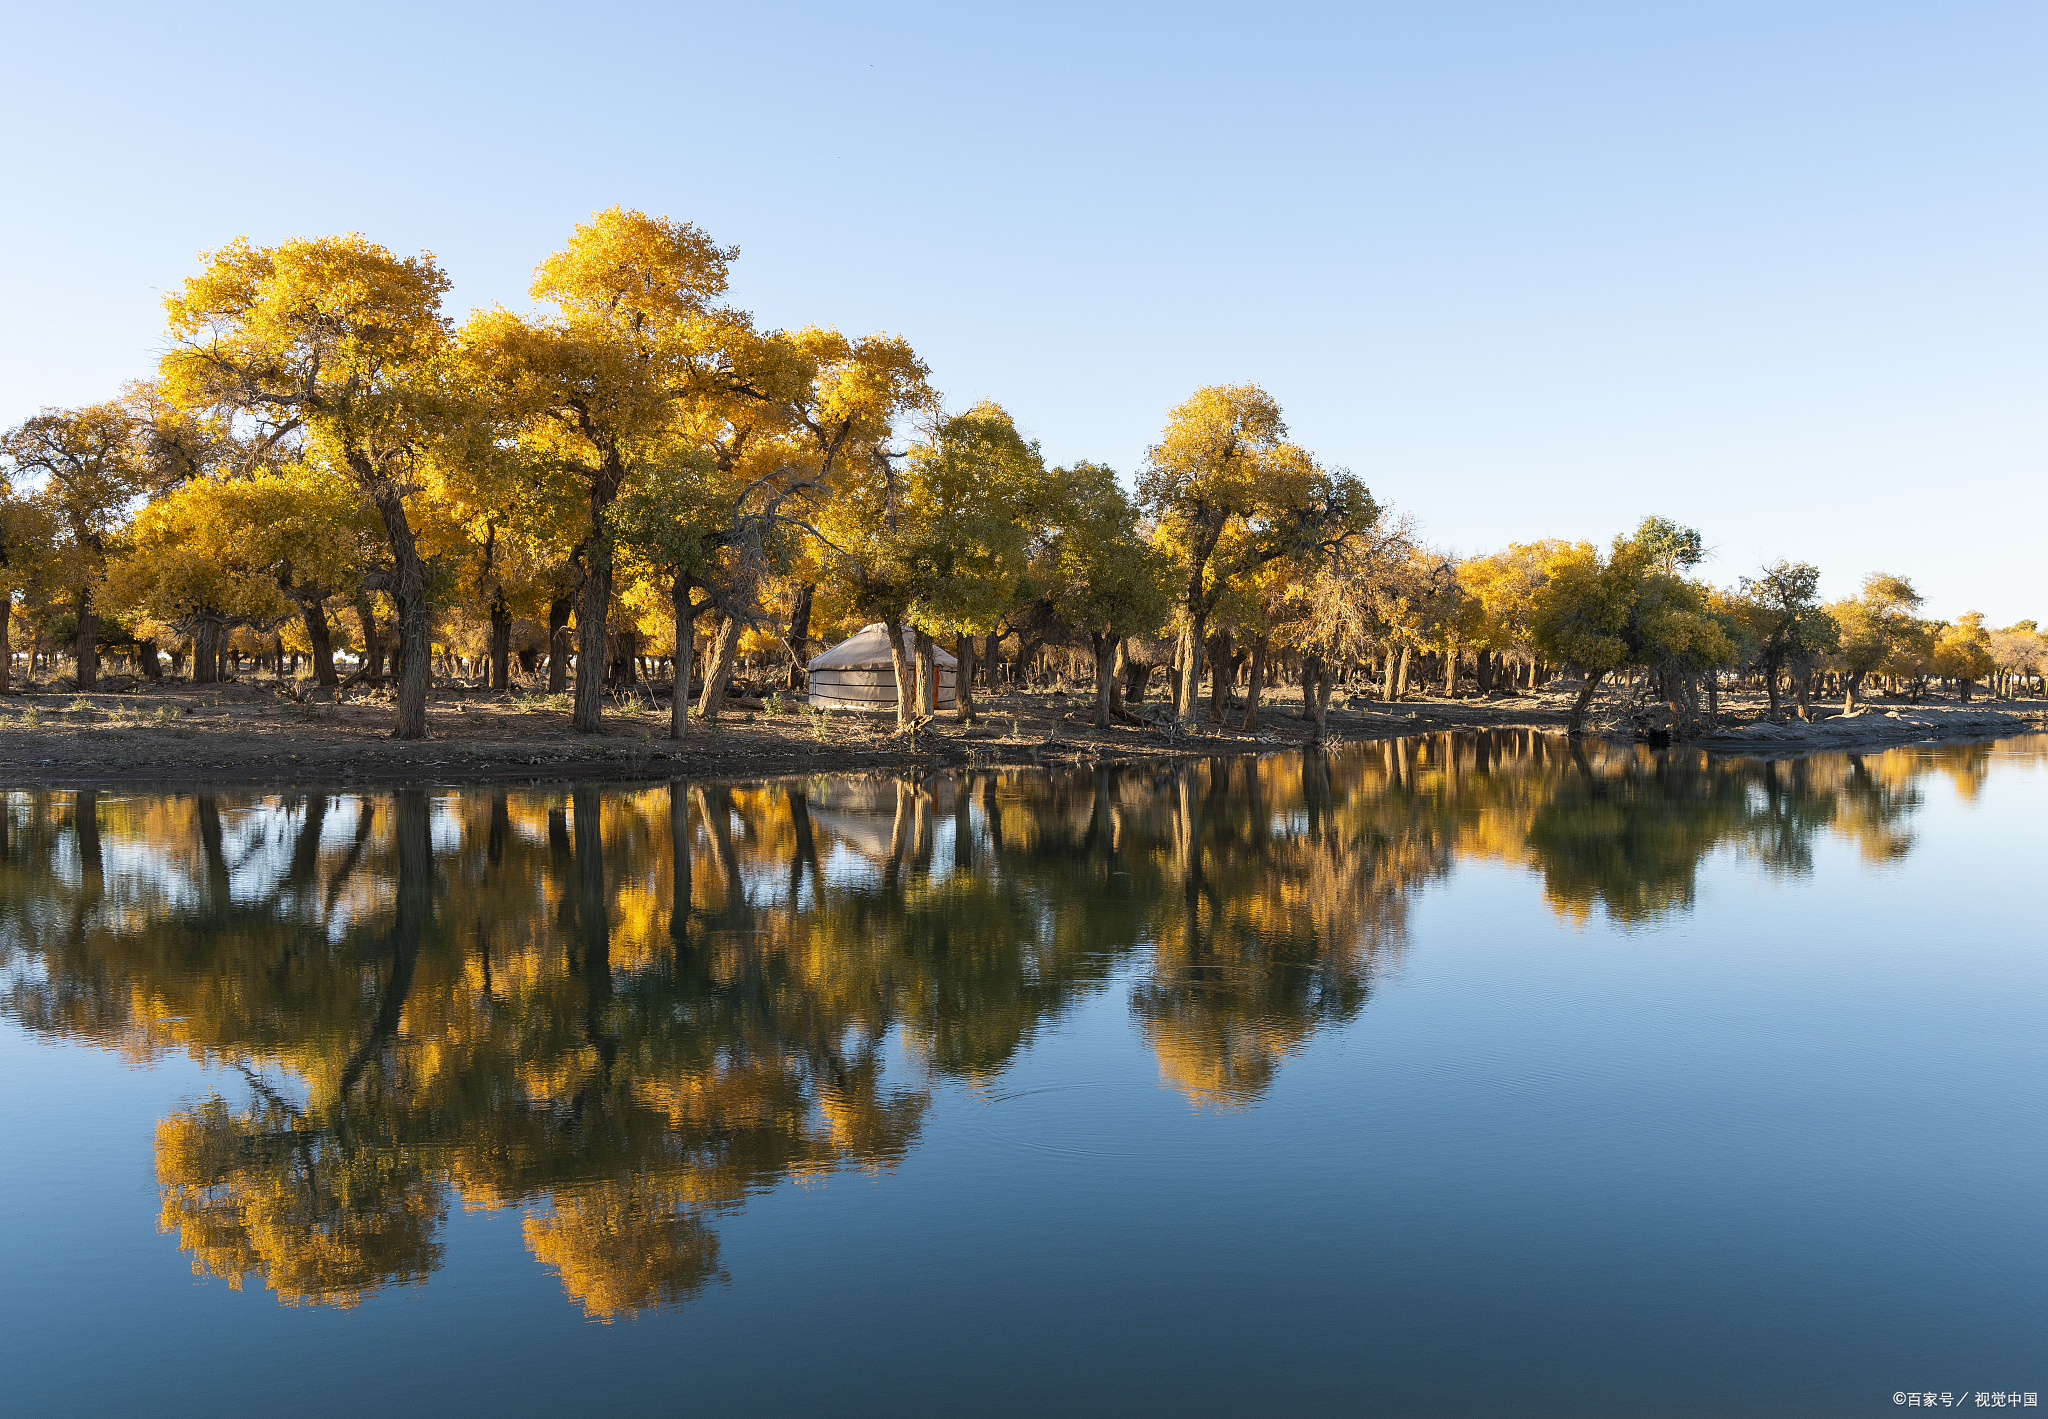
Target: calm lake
(1465, 1074)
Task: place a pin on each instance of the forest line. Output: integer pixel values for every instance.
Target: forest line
(639, 477)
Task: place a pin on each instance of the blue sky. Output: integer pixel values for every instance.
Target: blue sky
(1775, 270)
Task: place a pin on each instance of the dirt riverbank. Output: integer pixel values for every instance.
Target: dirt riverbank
(250, 733)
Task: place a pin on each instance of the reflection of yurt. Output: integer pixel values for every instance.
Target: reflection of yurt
(864, 813)
(856, 674)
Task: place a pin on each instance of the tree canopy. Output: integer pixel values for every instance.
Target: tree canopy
(634, 472)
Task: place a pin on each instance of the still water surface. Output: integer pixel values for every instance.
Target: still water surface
(1453, 1075)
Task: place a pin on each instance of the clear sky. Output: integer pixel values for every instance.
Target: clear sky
(1775, 270)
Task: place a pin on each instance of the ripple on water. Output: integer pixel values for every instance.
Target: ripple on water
(1108, 1119)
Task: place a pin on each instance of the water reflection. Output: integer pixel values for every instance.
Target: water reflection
(624, 1011)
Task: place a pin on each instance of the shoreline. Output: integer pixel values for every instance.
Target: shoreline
(253, 734)
(1871, 727)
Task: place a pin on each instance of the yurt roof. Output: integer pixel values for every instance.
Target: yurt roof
(868, 649)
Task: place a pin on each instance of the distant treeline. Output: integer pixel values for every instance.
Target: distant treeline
(638, 479)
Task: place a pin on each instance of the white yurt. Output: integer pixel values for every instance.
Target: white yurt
(857, 674)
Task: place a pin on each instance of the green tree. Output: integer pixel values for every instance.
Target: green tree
(1788, 625)
(692, 527)
(1109, 580)
(976, 490)
(1619, 611)
(1673, 550)
(935, 537)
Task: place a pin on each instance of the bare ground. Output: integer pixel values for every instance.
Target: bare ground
(251, 732)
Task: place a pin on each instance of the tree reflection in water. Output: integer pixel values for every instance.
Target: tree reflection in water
(624, 1011)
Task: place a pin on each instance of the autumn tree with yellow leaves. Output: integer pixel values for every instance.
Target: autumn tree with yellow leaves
(1962, 652)
(638, 460)
(337, 340)
(1223, 469)
(635, 354)
(92, 468)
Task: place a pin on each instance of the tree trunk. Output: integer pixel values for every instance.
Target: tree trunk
(6, 642)
(373, 641)
(501, 643)
(1027, 651)
(1256, 684)
(86, 648)
(963, 680)
(718, 673)
(1311, 675)
(1771, 688)
(927, 675)
(1219, 675)
(1401, 675)
(686, 655)
(1584, 701)
(799, 638)
(1119, 671)
(145, 656)
(1105, 673)
(1799, 680)
(321, 638)
(558, 641)
(593, 606)
(1450, 674)
(1190, 662)
(206, 652)
(409, 590)
(899, 664)
(1137, 678)
(622, 662)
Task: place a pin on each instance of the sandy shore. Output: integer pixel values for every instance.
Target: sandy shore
(1876, 726)
(250, 732)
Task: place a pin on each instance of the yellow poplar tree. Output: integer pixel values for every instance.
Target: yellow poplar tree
(91, 469)
(1224, 464)
(339, 339)
(1962, 652)
(635, 347)
(27, 533)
